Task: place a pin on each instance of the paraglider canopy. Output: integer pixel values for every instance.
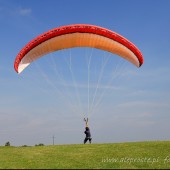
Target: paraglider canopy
(77, 35)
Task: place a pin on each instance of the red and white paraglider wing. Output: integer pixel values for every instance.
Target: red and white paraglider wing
(78, 35)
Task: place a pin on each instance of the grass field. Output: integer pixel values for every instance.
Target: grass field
(154, 154)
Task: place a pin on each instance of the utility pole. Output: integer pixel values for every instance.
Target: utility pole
(53, 139)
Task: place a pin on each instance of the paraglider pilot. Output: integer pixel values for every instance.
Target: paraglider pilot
(87, 132)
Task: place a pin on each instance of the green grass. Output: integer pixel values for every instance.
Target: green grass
(155, 154)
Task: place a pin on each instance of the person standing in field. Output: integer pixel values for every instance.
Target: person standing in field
(87, 132)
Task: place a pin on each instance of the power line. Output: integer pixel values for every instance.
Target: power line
(53, 139)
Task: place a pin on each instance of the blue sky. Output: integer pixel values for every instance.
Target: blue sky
(135, 105)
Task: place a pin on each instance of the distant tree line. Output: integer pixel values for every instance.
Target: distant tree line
(40, 144)
(8, 144)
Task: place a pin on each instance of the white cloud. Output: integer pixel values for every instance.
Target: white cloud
(10, 10)
(145, 104)
(25, 11)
